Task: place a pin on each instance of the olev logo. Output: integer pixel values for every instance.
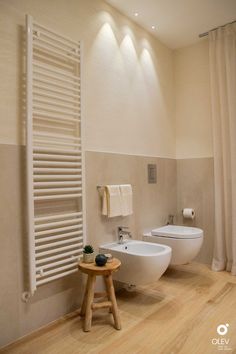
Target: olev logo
(222, 342)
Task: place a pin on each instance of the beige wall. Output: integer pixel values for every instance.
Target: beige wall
(128, 101)
(128, 109)
(192, 102)
(127, 75)
(194, 150)
(195, 189)
(152, 202)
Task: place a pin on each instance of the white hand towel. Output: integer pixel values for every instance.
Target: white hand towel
(105, 201)
(112, 201)
(126, 199)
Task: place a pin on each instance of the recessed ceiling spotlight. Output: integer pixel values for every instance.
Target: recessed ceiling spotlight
(136, 14)
(153, 28)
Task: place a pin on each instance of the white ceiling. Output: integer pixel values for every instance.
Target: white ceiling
(178, 22)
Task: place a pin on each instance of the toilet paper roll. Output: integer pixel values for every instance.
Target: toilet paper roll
(188, 213)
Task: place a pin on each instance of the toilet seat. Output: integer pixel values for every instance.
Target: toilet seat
(177, 232)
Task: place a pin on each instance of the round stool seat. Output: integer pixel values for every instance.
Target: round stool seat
(92, 268)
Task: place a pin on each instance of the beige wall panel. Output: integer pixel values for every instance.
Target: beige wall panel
(192, 102)
(195, 189)
(152, 202)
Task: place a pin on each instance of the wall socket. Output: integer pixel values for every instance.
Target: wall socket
(152, 173)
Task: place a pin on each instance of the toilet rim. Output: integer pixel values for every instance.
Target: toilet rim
(178, 232)
(182, 237)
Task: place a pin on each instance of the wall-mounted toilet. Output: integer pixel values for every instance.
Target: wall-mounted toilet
(185, 241)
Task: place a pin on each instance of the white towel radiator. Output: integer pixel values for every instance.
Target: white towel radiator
(55, 183)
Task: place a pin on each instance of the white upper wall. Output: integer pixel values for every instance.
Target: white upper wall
(128, 95)
(192, 102)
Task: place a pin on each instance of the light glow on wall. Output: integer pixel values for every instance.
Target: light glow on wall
(147, 64)
(127, 48)
(106, 33)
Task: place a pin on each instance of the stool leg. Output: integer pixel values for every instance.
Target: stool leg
(89, 301)
(83, 306)
(112, 298)
(107, 294)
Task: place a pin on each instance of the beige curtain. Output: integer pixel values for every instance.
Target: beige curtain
(222, 44)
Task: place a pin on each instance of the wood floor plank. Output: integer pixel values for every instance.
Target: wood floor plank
(178, 314)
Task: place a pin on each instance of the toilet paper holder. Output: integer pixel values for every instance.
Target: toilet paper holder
(188, 213)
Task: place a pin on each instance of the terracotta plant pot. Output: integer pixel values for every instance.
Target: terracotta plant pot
(88, 257)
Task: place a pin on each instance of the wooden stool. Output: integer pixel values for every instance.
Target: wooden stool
(92, 270)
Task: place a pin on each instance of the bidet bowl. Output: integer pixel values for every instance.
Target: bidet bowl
(141, 262)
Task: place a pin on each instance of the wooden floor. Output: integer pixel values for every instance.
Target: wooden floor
(177, 314)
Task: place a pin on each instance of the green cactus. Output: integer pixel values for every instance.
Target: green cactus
(88, 249)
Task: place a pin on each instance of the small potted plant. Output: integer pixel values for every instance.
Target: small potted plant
(88, 254)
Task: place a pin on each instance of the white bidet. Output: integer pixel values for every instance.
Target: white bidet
(141, 262)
